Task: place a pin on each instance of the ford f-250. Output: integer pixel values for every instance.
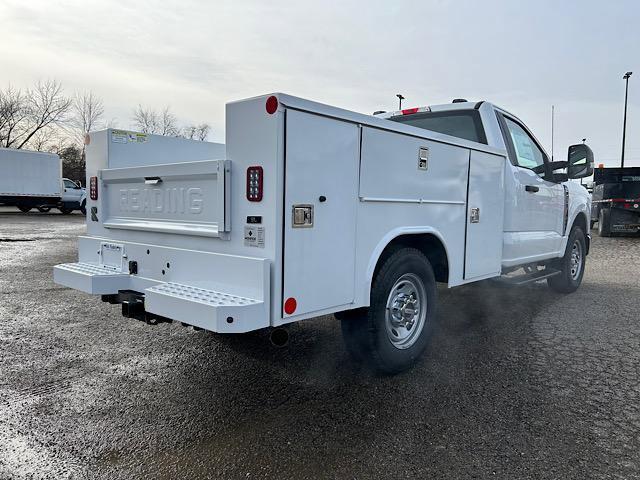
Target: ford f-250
(310, 209)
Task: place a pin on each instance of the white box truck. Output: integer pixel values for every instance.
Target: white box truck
(309, 210)
(31, 179)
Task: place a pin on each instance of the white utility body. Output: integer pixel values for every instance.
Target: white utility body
(295, 215)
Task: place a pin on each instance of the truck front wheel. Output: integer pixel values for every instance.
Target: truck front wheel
(571, 265)
(394, 331)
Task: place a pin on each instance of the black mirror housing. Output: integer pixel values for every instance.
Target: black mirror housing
(579, 161)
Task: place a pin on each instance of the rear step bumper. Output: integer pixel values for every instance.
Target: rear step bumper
(231, 296)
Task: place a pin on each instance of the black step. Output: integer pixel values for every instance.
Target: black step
(529, 277)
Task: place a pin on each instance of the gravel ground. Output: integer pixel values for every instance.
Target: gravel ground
(518, 383)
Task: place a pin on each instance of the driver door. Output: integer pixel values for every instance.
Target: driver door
(534, 210)
(72, 192)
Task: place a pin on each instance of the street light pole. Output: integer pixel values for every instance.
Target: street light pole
(624, 124)
(400, 98)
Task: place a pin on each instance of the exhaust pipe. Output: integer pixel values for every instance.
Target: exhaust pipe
(279, 337)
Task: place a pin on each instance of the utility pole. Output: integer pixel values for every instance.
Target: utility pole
(552, 115)
(624, 124)
(400, 98)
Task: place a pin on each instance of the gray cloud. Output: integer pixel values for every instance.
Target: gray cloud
(195, 56)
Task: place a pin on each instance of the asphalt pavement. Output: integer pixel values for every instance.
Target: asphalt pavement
(517, 383)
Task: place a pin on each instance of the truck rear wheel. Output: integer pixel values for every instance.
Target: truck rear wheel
(571, 265)
(65, 210)
(394, 331)
(43, 209)
(604, 223)
(24, 209)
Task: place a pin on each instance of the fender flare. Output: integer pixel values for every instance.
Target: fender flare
(386, 240)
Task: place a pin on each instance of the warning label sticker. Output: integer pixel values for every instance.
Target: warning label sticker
(122, 136)
(119, 136)
(253, 236)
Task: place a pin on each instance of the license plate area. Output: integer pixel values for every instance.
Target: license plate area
(111, 256)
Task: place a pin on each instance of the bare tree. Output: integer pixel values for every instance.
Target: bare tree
(196, 132)
(145, 120)
(148, 120)
(24, 114)
(168, 123)
(13, 114)
(88, 110)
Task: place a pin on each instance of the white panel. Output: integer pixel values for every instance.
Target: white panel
(131, 149)
(321, 160)
(188, 198)
(390, 169)
(23, 172)
(486, 193)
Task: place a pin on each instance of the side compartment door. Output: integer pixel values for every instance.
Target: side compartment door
(321, 179)
(485, 216)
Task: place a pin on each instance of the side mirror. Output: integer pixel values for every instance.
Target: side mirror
(79, 184)
(579, 161)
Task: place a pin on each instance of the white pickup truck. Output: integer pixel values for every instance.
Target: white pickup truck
(310, 210)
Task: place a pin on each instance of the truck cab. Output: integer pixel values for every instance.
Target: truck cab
(309, 210)
(74, 196)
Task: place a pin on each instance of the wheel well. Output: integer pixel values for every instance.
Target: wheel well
(429, 245)
(581, 221)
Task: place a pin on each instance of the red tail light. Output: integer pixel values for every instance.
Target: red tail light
(254, 183)
(409, 111)
(93, 188)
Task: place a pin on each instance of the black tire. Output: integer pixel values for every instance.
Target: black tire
(593, 222)
(367, 332)
(604, 223)
(83, 208)
(44, 209)
(65, 211)
(24, 209)
(570, 276)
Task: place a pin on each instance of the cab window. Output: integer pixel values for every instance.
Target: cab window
(528, 154)
(69, 184)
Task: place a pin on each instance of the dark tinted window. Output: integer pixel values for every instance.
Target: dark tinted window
(462, 124)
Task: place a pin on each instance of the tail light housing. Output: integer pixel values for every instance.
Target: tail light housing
(255, 176)
(93, 188)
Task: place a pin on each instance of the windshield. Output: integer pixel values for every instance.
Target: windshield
(464, 124)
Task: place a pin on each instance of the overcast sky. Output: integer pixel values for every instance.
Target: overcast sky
(196, 56)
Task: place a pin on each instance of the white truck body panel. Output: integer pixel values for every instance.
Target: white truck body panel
(27, 173)
(206, 255)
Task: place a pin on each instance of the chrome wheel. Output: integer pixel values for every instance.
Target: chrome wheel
(406, 311)
(575, 262)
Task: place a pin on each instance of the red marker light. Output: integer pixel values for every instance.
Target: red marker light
(272, 105)
(93, 188)
(290, 305)
(409, 111)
